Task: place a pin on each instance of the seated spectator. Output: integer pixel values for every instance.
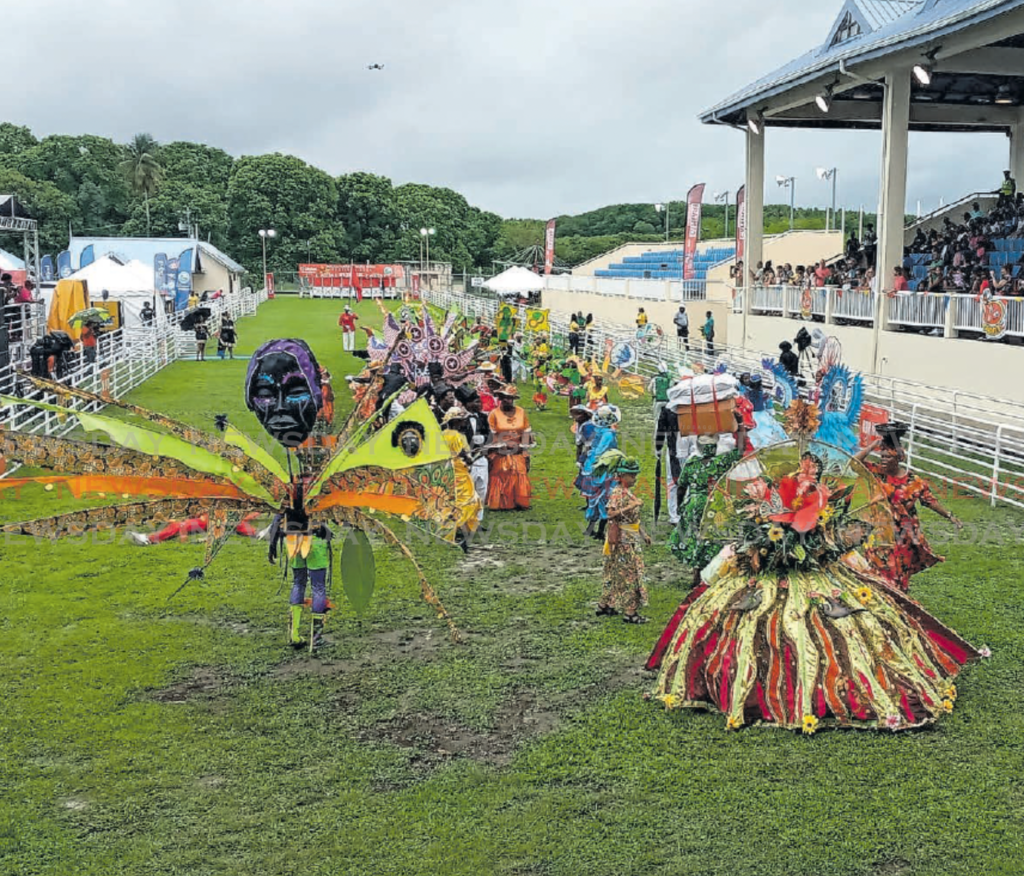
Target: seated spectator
(976, 211)
(899, 280)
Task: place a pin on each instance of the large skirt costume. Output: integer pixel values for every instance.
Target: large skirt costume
(509, 485)
(819, 644)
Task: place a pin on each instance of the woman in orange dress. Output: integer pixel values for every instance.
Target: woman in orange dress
(509, 487)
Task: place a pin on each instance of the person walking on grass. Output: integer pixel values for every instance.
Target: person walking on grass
(202, 336)
(347, 321)
(227, 337)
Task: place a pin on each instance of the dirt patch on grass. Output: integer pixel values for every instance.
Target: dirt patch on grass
(527, 715)
(894, 867)
(524, 570)
(202, 683)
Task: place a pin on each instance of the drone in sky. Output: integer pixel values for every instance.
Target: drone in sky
(375, 67)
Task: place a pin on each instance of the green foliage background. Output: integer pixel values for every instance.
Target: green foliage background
(79, 181)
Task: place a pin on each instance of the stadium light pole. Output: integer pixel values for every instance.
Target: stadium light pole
(826, 174)
(426, 234)
(789, 182)
(663, 208)
(723, 198)
(264, 234)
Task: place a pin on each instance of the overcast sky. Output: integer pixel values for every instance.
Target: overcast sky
(528, 107)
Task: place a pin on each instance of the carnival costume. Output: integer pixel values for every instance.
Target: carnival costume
(594, 484)
(509, 485)
(624, 589)
(402, 469)
(790, 627)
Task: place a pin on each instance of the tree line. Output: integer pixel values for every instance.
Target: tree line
(142, 188)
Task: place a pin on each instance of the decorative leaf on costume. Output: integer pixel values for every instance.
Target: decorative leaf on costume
(358, 570)
(110, 516)
(246, 454)
(357, 519)
(158, 445)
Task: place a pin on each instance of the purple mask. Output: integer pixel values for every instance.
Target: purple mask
(282, 388)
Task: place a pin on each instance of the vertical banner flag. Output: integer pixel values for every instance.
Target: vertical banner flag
(160, 274)
(88, 256)
(47, 269)
(741, 222)
(549, 247)
(64, 265)
(693, 210)
(183, 280)
(271, 291)
(415, 285)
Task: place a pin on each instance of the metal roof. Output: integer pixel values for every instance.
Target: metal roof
(887, 26)
(144, 249)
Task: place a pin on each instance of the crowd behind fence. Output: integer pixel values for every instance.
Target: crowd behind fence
(970, 444)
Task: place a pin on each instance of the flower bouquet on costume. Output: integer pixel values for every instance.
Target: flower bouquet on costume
(789, 626)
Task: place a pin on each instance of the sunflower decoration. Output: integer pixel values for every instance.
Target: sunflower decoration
(802, 419)
(864, 595)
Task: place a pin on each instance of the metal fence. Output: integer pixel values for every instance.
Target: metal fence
(125, 359)
(974, 445)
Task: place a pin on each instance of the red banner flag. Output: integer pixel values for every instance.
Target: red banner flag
(741, 222)
(357, 286)
(693, 209)
(549, 247)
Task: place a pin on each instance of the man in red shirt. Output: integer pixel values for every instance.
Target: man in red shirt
(89, 343)
(822, 274)
(347, 321)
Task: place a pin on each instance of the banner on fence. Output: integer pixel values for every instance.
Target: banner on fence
(268, 283)
(348, 275)
(538, 320)
(741, 222)
(549, 247)
(993, 318)
(693, 210)
(871, 417)
(505, 321)
(182, 282)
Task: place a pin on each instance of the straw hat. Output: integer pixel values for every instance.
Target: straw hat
(508, 391)
(454, 413)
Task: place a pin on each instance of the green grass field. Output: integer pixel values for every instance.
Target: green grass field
(145, 736)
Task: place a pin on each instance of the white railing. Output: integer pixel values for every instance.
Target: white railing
(645, 290)
(125, 359)
(768, 299)
(853, 305)
(972, 444)
(919, 311)
(968, 315)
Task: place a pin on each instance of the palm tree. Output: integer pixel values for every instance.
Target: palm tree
(142, 167)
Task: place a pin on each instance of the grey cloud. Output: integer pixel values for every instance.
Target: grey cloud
(529, 108)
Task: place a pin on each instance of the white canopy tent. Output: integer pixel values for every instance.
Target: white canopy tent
(515, 280)
(132, 285)
(9, 262)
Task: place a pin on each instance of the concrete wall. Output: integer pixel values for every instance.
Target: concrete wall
(974, 366)
(617, 309)
(215, 276)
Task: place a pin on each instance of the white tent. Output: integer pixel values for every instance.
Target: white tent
(515, 280)
(132, 285)
(9, 262)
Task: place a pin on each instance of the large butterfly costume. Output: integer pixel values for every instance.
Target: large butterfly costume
(167, 470)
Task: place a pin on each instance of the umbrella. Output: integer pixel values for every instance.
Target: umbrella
(189, 320)
(91, 314)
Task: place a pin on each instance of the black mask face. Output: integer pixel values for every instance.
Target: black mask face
(282, 399)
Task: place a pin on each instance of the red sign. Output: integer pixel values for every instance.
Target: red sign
(269, 285)
(693, 210)
(871, 416)
(741, 222)
(416, 285)
(348, 275)
(549, 247)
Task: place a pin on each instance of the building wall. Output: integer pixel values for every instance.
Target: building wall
(977, 367)
(215, 276)
(617, 309)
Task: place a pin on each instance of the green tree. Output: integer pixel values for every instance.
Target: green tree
(15, 139)
(141, 166)
(48, 205)
(284, 193)
(368, 212)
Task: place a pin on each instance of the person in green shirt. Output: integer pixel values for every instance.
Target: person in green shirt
(659, 387)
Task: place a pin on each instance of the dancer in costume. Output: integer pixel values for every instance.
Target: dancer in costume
(597, 393)
(470, 506)
(767, 430)
(792, 629)
(596, 486)
(404, 470)
(910, 552)
(624, 589)
(509, 487)
(697, 478)
(195, 526)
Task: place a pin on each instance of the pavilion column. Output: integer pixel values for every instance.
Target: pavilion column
(753, 246)
(1016, 165)
(892, 199)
